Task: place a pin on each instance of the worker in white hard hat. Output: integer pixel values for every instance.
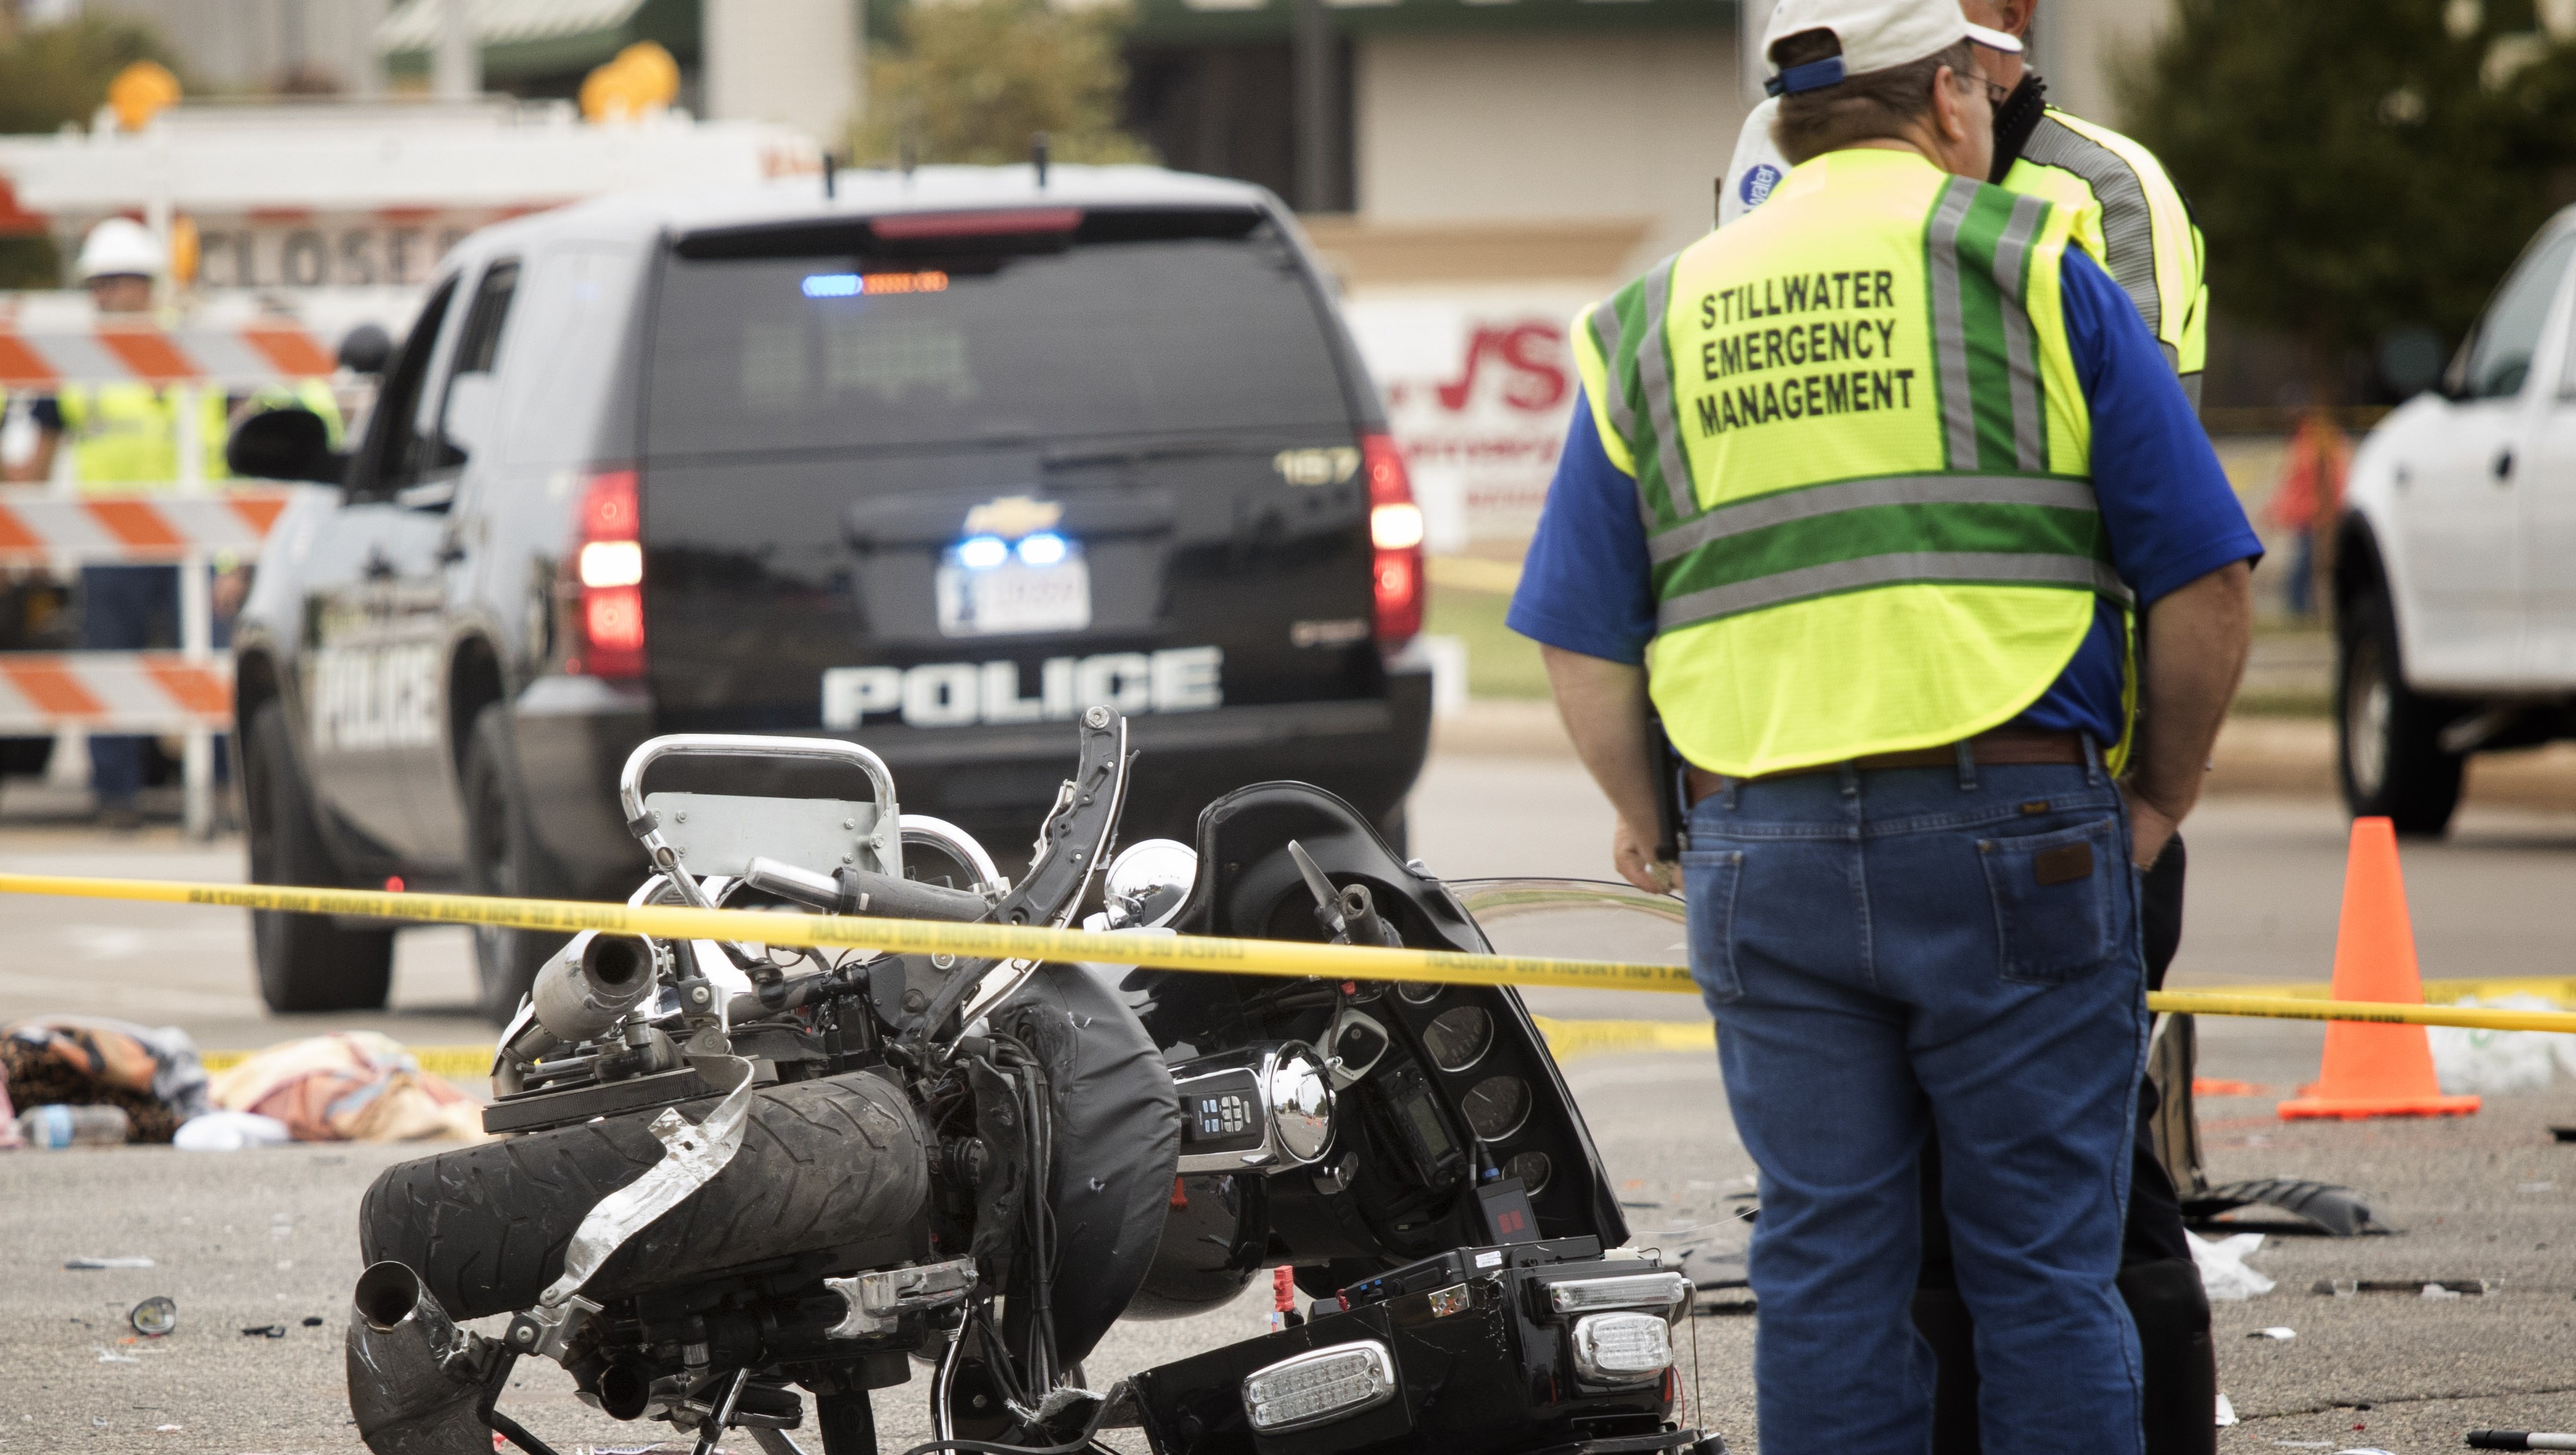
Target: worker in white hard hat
(124, 439)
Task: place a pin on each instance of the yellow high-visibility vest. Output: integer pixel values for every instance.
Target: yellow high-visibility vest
(1863, 455)
(125, 437)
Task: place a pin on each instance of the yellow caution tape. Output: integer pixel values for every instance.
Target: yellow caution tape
(1289, 959)
(2557, 988)
(464, 1063)
(2475, 1018)
(1283, 958)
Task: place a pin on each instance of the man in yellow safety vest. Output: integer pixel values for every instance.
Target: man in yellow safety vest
(2138, 223)
(1877, 478)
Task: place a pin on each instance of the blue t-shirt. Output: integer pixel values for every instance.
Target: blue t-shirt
(2170, 514)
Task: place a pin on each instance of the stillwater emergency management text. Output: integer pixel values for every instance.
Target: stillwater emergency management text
(1755, 349)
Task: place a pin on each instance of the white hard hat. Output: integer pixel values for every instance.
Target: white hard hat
(1875, 34)
(118, 246)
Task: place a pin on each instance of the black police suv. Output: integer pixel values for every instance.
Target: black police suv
(929, 461)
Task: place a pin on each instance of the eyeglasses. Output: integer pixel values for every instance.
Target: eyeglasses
(1996, 95)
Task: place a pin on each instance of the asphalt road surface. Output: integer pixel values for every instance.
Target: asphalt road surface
(268, 1238)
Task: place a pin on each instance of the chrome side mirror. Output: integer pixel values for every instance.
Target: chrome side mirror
(1148, 882)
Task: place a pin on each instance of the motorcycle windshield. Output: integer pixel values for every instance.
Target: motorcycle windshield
(1577, 919)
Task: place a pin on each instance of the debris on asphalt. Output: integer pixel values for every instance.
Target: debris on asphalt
(2226, 1410)
(85, 1263)
(231, 1131)
(349, 1086)
(55, 1126)
(2490, 1063)
(2323, 1205)
(312, 1322)
(153, 1076)
(2420, 1287)
(110, 1356)
(2564, 1134)
(2221, 1086)
(154, 1317)
(2519, 1440)
(265, 1331)
(2223, 1272)
(2281, 1332)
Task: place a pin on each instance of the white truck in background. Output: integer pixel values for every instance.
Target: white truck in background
(2455, 560)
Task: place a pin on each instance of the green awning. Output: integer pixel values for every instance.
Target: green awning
(524, 39)
(1184, 22)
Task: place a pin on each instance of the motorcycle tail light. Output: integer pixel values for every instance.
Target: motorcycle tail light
(605, 579)
(1395, 535)
(1622, 1348)
(1662, 1292)
(1319, 1387)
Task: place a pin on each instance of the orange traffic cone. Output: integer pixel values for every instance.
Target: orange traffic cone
(2375, 1070)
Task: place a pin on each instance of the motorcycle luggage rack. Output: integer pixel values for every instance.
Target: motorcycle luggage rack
(690, 836)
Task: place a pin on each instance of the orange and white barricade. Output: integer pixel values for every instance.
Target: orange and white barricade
(233, 343)
(114, 692)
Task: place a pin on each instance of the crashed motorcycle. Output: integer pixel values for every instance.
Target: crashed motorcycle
(731, 1171)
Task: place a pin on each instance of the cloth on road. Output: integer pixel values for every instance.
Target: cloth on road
(1828, 939)
(349, 1086)
(153, 1075)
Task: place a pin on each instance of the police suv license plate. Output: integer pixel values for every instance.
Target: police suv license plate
(1014, 597)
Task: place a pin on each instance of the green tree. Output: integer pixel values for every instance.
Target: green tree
(50, 75)
(2359, 167)
(972, 80)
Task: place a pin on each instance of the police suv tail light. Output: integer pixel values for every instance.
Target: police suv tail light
(1395, 534)
(604, 585)
(1628, 1348)
(1319, 1387)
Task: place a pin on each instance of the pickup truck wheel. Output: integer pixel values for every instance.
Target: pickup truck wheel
(305, 961)
(2388, 737)
(504, 858)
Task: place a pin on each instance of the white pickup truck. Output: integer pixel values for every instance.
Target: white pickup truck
(2455, 560)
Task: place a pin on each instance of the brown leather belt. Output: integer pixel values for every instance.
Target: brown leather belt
(2003, 746)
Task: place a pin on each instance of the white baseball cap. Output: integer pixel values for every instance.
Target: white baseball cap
(1875, 35)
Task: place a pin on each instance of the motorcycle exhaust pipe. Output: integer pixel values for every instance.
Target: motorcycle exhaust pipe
(415, 1379)
(583, 992)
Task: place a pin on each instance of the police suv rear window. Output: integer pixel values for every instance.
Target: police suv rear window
(839, 336)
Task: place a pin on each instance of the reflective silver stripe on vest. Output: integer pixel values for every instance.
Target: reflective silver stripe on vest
(2030, 435)
(1900, 569)
(1788, 505)
(1605, 332)
(2128, 220)
(1949, 322)
(1655, 381)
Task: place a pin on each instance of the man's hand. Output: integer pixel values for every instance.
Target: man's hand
(1633, 854)
(2150, 828)
(1604, 707)
(2199, 635)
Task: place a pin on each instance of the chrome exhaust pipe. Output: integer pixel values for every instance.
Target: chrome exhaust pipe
(416, 1380)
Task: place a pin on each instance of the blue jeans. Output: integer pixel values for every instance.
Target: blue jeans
(131, 609)
(1902, 950)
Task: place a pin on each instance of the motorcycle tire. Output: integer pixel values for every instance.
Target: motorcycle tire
(823, 1164)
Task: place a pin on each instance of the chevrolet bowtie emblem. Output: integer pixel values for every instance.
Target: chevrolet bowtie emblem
(1013, 516)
